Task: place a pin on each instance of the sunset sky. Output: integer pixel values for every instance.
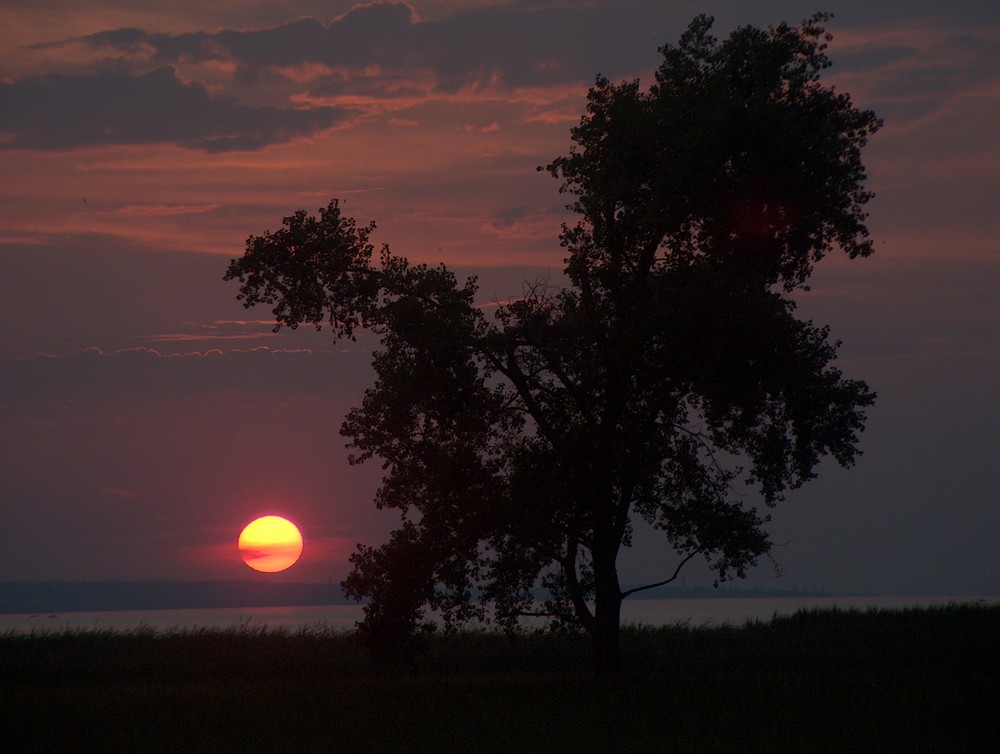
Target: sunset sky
(146, 417)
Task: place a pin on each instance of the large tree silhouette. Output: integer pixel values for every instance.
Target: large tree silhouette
(668, 385)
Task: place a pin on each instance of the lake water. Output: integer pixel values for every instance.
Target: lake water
(654, 612)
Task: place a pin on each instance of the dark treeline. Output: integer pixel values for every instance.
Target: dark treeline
(20, 597)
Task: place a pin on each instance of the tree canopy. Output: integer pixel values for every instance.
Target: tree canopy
(667, 380)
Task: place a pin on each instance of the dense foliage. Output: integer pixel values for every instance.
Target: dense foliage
(669, 376)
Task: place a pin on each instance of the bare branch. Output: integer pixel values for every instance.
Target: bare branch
(665, 581)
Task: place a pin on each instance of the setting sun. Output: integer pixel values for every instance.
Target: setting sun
(270, 544)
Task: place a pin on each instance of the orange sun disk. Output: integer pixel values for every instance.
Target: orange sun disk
(270, 544)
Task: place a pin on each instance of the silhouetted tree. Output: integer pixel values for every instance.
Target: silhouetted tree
(522, 449)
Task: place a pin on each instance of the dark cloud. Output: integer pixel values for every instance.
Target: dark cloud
(62, 112)
(379, 33)
(522, 44)
(383, 52)
(525, 43)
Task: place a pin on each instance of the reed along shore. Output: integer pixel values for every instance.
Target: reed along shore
(826, 681)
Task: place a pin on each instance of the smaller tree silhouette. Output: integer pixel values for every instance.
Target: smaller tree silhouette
(667, 381)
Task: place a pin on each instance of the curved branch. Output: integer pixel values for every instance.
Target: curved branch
(676, 573)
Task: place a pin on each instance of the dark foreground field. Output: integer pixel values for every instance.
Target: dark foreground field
(920, 680)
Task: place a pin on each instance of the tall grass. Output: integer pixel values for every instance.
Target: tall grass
(831, 681)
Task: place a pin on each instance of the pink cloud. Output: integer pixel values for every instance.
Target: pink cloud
(557, 116)
(533, 225)
(123, 493)
(239, 322)
(164, 210)
(470, 128)
(192, 337)
(911, 65)
(305, 72)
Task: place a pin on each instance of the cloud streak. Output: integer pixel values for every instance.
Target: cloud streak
(58, 112)
(384, 42)
(244, 90)
(164, 210)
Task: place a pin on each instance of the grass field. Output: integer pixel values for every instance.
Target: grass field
(903, 681)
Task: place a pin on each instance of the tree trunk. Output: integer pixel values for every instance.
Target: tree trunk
(606, 632)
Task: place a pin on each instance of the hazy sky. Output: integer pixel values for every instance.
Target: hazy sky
(145, 416)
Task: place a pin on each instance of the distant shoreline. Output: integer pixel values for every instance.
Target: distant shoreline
(20, 597)
(26, 597)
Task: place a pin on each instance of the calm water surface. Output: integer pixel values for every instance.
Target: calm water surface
(653, 612)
